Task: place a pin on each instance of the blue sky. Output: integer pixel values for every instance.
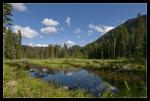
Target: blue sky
(43, 24)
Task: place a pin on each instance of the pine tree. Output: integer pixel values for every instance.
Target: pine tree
(7, 8)
(28, 52)
(46, 53)
(9, 45)
(124, 40)
(114, 47)
(51, 51)
(18, 45)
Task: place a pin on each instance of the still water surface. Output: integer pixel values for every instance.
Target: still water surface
(74, 79)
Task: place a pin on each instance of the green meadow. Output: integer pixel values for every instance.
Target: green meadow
(18, 83)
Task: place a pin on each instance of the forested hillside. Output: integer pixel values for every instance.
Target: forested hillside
(126, 40)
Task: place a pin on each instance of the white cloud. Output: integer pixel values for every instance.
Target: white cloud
(100, 28)
(51, 26)
(30, 44)
(49, 30)
(78, 36)
(77, 31)
(41, 45)
(37, 45)
(68, 21)
(19, 6)
(69, 43)
(26, 32)
(50, 22)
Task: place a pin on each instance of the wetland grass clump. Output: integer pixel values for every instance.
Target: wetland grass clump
(134, 90)
(107, 92)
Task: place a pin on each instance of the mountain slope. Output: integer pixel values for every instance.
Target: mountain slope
(128, 39)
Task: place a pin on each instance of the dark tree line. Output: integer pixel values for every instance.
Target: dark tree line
(12, 41)
(123, 41)
(52, 51)
(127, 40)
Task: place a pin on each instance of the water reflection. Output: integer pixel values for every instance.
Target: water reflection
(75, 79)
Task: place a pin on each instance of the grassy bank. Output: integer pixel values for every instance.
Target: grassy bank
(26, 86)
(17, 83)
(84, 63)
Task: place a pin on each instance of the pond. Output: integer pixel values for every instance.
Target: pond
(73, 79)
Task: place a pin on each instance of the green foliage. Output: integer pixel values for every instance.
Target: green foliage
(126, 40)
(9, 45)
(108, 92)
(18, 45)
(12, 45)
(136, 82)
(7, 8)
(137, 89)
(23, 85)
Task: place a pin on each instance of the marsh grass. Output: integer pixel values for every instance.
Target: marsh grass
(86, 63)
(27, 86)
